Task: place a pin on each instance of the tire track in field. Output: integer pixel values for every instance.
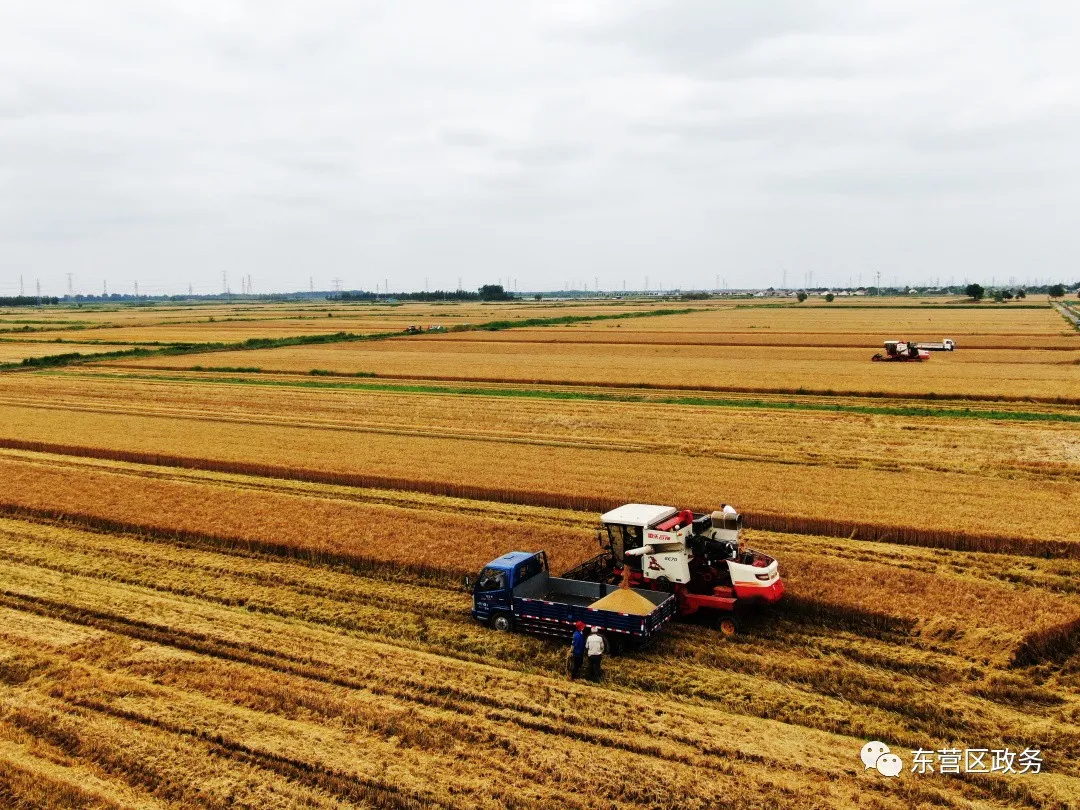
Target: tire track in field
(349, 786)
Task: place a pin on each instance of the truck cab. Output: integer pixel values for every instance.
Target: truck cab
(493, 592)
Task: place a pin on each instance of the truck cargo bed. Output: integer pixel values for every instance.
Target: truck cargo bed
(556, 603)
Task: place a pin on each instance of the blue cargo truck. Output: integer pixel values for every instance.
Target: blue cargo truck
(517, 592)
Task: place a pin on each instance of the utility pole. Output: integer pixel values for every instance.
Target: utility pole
(646, 283)
(597, 280)
(783, 284)
(38, 292)
(386, 287)
(425, 284)
(104, 289)
(20, 286)
(224, 283)
(136, 289)
(311, 283)
(190, 292)
(71, 290)
(459, 283)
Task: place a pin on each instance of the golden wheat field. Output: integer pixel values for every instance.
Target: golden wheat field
(232, 324)
(242, 587)
(1043, 375)
(16, 351)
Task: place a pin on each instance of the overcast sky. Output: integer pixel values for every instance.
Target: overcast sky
(536, 142)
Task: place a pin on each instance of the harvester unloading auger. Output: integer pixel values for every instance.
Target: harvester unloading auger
(697, 557)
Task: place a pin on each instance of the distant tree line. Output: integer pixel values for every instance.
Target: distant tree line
(489, 292)
(436, 295)
(27, 300)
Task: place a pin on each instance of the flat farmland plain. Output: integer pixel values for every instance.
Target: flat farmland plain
(830, 466)
(241, 588)
(1043, 375)
(853, 325)
(223, 323)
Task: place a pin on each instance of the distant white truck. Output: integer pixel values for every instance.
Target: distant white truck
(947, 345)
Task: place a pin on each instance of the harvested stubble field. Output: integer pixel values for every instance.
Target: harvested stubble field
(241, 589)
(788, 325)
(141, 671)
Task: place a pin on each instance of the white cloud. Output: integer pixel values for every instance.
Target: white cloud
(543, 141)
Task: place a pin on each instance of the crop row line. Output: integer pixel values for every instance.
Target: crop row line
(765, 521)
(437, 385)
(1052, 643)
(252, 344)
(238, 545)
(441, 696)
(352, 787)
(795, 608)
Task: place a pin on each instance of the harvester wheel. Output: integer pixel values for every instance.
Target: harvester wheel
(502, 623)
(876, 358)
(726, 626)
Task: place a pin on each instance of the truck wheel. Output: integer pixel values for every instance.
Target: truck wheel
(612, 646)
(726, 626)
(502, 623)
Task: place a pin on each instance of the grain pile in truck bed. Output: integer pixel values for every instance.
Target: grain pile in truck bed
(625, 601)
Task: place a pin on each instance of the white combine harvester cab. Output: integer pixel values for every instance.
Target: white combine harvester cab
(666, 545)
(655, 535)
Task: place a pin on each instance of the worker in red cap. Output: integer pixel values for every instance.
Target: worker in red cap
(577, 650)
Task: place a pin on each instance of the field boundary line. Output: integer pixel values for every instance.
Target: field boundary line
(254, 344)
(520, 391)
(762, 520)
(356, 563)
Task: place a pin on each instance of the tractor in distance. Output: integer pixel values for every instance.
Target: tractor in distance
(902, 351)
(946, 345)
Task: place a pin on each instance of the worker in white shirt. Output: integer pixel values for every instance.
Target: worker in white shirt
(594, 648)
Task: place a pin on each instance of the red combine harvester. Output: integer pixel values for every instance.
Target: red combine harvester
(902, 351)
(697, 557)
